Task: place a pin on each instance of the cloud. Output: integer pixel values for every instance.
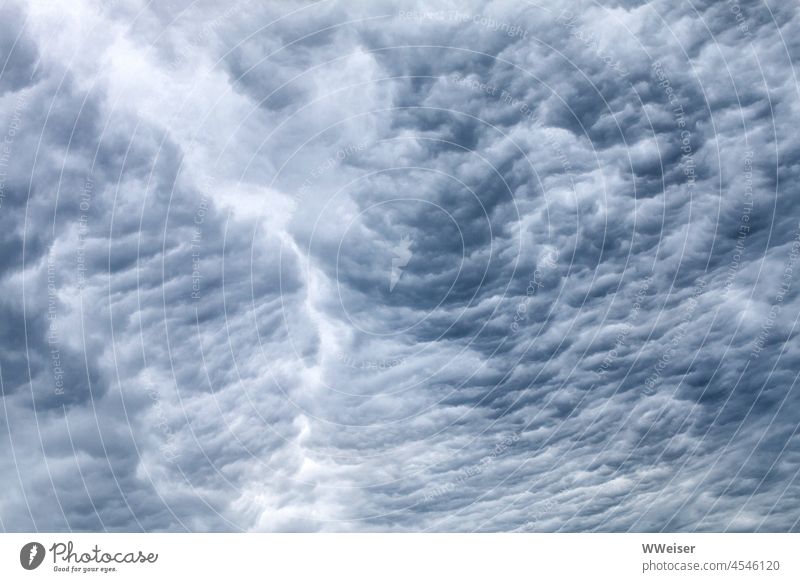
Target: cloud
(399, 267)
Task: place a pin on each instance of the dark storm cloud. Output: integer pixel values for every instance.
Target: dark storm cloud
(400, 267)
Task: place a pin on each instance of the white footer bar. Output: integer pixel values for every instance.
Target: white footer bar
(400, 557)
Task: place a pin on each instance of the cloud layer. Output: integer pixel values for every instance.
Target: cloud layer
(399, 266)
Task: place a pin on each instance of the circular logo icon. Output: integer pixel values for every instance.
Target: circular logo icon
(31, 555)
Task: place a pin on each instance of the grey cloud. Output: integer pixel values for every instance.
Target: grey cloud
(386, 267)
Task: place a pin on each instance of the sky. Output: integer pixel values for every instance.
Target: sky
(399, 266)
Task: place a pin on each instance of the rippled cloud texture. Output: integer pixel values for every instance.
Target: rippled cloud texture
(384, 266)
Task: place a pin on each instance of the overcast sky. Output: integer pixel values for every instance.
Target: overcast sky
(398, 266)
